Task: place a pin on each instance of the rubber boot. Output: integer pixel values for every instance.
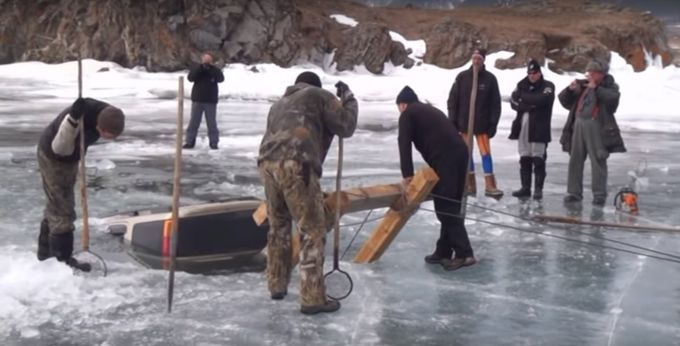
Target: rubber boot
(471, 185)
(525, 163)
(44, 241)
(61, 247)
(539, 176)
(491, 190)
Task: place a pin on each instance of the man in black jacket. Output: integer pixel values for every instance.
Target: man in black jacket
(442, 147)
(487, 114)
(533, 100)
(204, 100)
(58, 156)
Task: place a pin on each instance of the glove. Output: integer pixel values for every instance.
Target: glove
(342, 90)
(78, 108)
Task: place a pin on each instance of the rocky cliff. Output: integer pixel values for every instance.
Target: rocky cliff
(166, 35)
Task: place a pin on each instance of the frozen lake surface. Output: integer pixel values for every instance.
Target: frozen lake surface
(527, 289)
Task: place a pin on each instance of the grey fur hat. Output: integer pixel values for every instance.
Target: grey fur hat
(599, 66)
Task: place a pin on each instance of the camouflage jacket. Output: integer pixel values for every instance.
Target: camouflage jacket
(302, 124)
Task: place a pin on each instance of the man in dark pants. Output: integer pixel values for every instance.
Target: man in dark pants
(58, 156)
(442, 147)
(204, 100)
(533, 100)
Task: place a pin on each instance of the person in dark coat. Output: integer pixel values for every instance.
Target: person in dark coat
(533, 100)
(58, 157)
(487, 114)
(591, 130)
(442, 147)
(204, 100)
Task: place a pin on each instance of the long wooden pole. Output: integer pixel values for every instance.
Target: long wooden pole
(470, 131)
(572, 220)
(176, 191)
(338, 200)
(85, 234)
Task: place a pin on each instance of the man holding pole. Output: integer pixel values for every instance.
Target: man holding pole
(58, 156)
(486, 112)
(300, 129)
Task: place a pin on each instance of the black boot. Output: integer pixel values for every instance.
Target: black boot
(61, 247)
(436, 258)
(44, 241)
(442, 250)
(525, 178)
(539, 174)
(189, 145)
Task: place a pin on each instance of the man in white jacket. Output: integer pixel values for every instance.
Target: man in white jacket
(58, 157)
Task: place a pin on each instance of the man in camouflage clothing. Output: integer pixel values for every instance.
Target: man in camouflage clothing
(300, 129)
(58, 157)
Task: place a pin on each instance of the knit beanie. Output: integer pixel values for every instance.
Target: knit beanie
(407, 95)
(533, 66)
(111, 120)
(481, 52)
(310, 78)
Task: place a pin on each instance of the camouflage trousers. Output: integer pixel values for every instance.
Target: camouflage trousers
(58, 180)
(293, 193)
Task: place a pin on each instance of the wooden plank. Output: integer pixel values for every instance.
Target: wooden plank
(399, 213)
(576, 221)
(353, 200)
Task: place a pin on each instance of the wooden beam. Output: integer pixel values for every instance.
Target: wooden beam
(353, 200)
(399, 213)
(576, 221)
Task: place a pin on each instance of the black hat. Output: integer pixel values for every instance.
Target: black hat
(533, 66)
(480, 51)
(407, 95)
(308, 77)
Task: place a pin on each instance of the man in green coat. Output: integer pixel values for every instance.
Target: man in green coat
(591, 130)
(300, 129)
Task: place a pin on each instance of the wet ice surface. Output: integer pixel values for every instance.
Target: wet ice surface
(527, 289)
